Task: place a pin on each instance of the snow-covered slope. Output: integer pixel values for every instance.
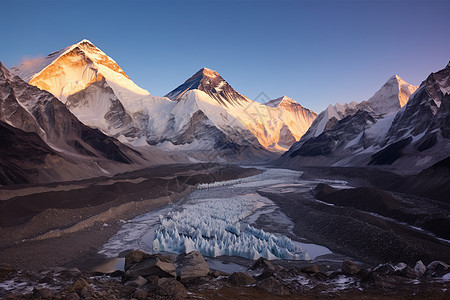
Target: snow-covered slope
(386, 101)
(275, 126)
(68, 143)
(204, 113)
(94, 88)
(411, 138)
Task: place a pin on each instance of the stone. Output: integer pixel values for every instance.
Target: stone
(264, 264)
(138, 282)
(78, 285)
(148, 265)
(311, 269)
(384, 270)
(42, 293)
(407, 272)
(133, 257)
(241, 278)
(437, 268)
(420, 268)
(349, 267)
(87, 292)
(272, 286)
(170, 288)
(140, 294)
(72, 296)
(190, 266)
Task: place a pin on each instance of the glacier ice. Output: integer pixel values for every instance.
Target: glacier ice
(214, 227)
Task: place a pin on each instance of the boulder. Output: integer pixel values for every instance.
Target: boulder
(384, 270)
(437, 269)
(148, 265)
(72, 296)
(134, 256)
(311, 269)
(265, 265)
(190, 266)
(138, 282)
(241, 278)
(41, 293)
(170, 288)
(140, 294)
(349, 267)
(420, 268)
(272, 286)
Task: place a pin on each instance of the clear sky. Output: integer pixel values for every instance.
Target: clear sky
(317, 52)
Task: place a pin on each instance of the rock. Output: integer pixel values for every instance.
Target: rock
(407, 272)
(264, 264)
(78, 285)
(311, 269)
(138, 282)
(190, 266)
(349, 267)
(140, 294)
(134, 257)
(379, 280)
(116, 273)
(420, 268)
(437, 264)
(215, 273)
(170, 288)
(42, 293)
(87, 292)
(437, 269)
(241, 278)
(5, 270)
(72, 296)
(272, 286)
(148, 265)
(384, 270)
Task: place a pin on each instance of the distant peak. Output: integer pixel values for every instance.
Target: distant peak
(278, 101)
(209, 73)
(85, 41)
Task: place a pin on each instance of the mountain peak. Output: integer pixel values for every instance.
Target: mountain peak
(284, 99)
(209, 73)
(210, 82)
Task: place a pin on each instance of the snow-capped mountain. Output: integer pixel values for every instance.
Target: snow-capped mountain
(93, 87)
(204, 113)
(275, 127)
(413, 138)
(388, 99)
(214, 85)
(64, 142)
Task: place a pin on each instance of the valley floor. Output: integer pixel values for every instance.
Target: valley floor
(76, 220)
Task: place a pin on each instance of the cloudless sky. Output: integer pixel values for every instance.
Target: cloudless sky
(317, 52)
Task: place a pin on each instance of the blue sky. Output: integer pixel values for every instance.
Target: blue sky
(317, 52)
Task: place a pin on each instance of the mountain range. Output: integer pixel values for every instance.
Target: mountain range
(378, 132)
(79, 115)
(204, 112)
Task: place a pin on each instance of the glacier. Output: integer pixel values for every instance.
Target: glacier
(220, 218)
(213, 228)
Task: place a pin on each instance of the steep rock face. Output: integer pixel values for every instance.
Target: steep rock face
(412, 139)
(421, 129)
(214, 85)
(22, 154)
(60, 141)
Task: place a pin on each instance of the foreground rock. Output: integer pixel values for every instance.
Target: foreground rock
(264, 280)
(190, 266)
(139, 263)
